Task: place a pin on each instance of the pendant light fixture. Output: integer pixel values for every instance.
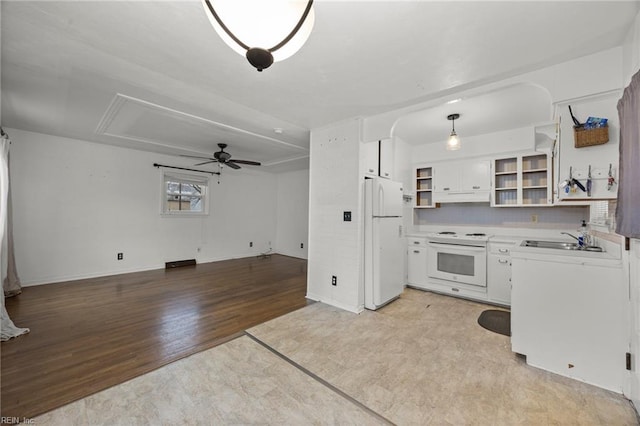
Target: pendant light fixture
(262, 31)
(453, 143)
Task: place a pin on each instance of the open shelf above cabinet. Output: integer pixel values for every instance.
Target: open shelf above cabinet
(424, 187)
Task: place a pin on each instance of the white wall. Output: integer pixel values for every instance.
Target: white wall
(293, 214)
(631, 52)
(335, 246)
(511, 140)
(597, 73)
(76, 204)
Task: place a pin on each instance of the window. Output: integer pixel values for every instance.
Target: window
(184, 194)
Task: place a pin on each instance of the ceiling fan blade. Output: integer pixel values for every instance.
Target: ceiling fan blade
(232, 165)
(251, 163)
(196, 156)
(206, 162)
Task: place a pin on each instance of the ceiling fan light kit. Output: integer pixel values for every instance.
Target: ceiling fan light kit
(453, 143)
(249, 26)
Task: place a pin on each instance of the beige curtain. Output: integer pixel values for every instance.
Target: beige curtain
(8, 328)
(628, 206)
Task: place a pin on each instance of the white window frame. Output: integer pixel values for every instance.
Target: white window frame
(198, 179)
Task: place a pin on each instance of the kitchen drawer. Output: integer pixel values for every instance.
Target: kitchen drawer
(457, 289)
(501, 248)
(416, 242)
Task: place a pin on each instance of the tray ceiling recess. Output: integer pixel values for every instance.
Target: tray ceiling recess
(151, 127)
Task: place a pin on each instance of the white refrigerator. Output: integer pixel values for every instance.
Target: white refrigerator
(384, 243)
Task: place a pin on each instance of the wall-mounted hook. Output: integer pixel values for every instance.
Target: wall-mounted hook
(610, 179)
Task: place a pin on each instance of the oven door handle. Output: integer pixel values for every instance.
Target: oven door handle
(457, 246)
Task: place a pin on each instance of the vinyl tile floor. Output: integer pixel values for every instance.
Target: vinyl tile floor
(421, 360)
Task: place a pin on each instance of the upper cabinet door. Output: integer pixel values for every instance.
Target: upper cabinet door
(476, 176)
(386, 158)
(462, 181)
(464, 176)
(448, 177)
(370, 152)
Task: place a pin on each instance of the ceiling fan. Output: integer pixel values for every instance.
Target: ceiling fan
(223, 157)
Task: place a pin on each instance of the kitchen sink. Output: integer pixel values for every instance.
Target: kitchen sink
(560, 245)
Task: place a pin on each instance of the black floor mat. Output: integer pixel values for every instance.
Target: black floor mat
(496, 321)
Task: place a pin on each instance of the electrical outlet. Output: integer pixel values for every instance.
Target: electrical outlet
(534, 218)
(250, 243)
(120, 256)
(301, 245)
(334, 280)
(346, 216)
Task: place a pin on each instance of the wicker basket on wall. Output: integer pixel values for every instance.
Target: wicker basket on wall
(590, 137)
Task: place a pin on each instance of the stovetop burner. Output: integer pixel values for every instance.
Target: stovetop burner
(462, 238)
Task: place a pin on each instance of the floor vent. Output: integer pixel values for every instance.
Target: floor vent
(179, 263)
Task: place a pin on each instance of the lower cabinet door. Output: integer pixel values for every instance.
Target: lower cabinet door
(417, 266)
(499, 279)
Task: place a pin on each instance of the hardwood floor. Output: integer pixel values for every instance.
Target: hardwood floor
(89, 335)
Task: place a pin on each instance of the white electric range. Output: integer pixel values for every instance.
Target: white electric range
(458, 258)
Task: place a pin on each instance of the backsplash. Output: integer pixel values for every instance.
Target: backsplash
(521, 217)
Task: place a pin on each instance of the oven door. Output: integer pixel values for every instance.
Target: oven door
(457, 263)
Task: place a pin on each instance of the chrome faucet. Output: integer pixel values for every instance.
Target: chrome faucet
(581, 244)
(572, 236)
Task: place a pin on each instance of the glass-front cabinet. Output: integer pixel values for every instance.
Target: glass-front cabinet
(522, 180)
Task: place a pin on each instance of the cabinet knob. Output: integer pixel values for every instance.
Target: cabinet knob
(476, 187)
(503, 261)
(445, 189)
(370, 170)
(386, 174)
(416, 251)
(503, 250)
(416, 242)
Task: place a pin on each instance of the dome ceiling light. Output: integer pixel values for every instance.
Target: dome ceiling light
(453, 143)
(250, 26)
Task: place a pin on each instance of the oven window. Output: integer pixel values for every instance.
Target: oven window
(457, 264)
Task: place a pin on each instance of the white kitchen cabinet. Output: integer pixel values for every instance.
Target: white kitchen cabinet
(499, 272)
(417, 262)
(386, 158)
(462, 181)
(371, 155)
(378, 158)
(423, 187)
(569, 315)
(476, 176)
(523, 180)
(449, 177)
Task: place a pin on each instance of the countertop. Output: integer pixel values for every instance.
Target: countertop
(611, 254)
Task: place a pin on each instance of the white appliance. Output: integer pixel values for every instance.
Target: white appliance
(461, 258)
(384, 244)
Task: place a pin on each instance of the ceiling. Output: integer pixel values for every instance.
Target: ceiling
(154, 75)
